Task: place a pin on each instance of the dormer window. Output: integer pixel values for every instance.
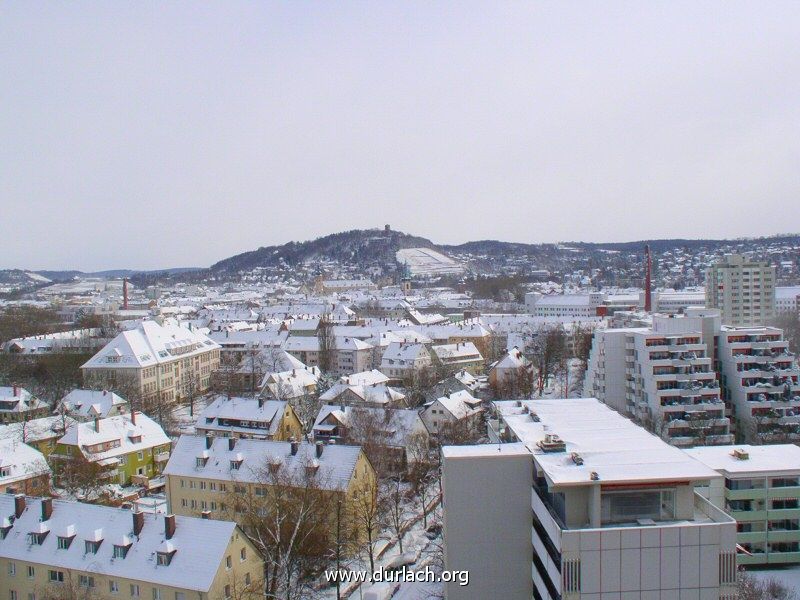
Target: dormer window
(121, 550)
(64, 542)
(135, 439)
(37, 537)
(235, 464)
(201, 461)
(165, 553)
(5, 471)
(92, 546)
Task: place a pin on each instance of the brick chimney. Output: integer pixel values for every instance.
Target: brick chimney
(320, 448)
(47, 508)
(209, 441)
(125, 294)
(169, 526)
(97, 424)
(231, 443)
(293, 446)
(19, 505)
(16, 390)
(133, 417)
(138, 522)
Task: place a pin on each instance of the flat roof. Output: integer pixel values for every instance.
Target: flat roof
(483, 450)
(771, 458)
(612, 446)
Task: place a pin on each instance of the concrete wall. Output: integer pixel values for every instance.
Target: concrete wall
(487, 521)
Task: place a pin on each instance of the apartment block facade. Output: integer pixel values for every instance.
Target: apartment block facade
(743, 290)
(663, 377)
(761, 383)
(761, 490)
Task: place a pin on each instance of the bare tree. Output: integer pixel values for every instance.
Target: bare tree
(751, 588)
(291, 519)
(397, 516)
(74, 587)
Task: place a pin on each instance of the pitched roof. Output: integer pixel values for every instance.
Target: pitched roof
(270, 414)
(21, 461)
(200, 544)
(119, 428)
(336, 464)
(91, 403)
(150, 344)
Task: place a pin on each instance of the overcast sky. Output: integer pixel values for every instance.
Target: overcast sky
(152, 134)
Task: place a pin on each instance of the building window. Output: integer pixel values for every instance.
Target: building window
(113, 586)
(629, 506)
(56, 576)
(31, 572)
(64, 542)
(92, 547)
(164, 558)
(243, 554)
(134, 590)
(156, 594)
(227, 592)
(86, 581)
(228, 562)
(120, 551)
(12, 568)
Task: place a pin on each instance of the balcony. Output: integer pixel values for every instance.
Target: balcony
(161, 457)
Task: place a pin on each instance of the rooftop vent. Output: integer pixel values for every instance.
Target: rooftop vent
(594, 476)
(551, 443)
(576, 458)
(740, 454)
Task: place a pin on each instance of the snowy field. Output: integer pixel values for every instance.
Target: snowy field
(423, 261)
(789, 576)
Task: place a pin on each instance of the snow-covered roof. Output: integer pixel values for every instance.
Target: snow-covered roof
(336, 464)
(36, 430)
(768, 458)
(364, 378)
(150, 344)
(290, 384)
(91, 403)
(400, 351)
(19, 461)
(398, 423)
(614, 447)
(17, 399)
(375, 393)
(144, 434)
(458, 351)
(199, 544)
(460, 404)
(266, 418)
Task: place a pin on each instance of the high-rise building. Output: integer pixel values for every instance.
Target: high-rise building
(743, 290)
(581, 503)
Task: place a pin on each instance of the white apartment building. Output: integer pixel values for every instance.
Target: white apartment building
(743, 290)
(405, 361)
(582, 504)
(761, 490)
(787, 299)
(663, 376)
(564, 305)
(160, 361)
(760, 382)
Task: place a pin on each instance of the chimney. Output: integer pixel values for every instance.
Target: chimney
(231, 443)
(16, 390)
(47, 508)
(260, 402)
(647, 279)
(209, 441)
(206, 514)
(133, 417)
(320, 448)
(97, 424)
(19, 505)
(169, 526)
(294, 445)
(125, 294)
(104, 392)
(138, 522)
(294, 372)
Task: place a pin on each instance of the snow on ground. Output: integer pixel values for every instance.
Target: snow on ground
(424, 261)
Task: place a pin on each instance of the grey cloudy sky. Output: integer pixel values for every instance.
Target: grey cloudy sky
(150, 134)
